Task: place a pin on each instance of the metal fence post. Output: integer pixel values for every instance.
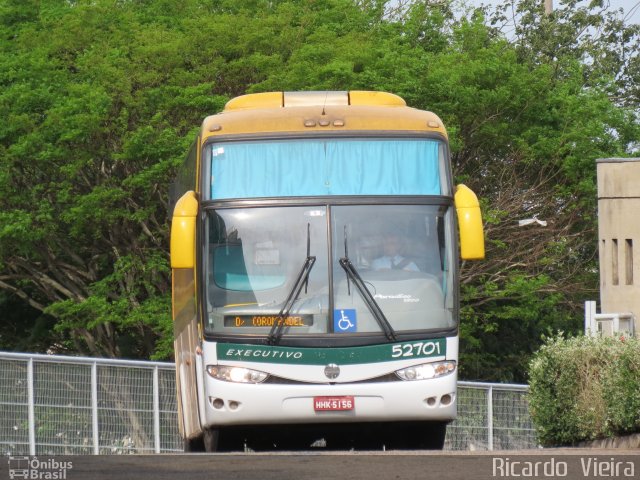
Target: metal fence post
(590, 325)
(31, 411)
(94, 408)
(156, 410)
(490, 417)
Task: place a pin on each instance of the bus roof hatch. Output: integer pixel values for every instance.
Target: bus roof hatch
(310, 99)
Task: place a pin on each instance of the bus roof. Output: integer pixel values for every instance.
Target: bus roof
(319, 112)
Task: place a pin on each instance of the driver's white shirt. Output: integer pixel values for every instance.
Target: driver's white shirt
(387, 263)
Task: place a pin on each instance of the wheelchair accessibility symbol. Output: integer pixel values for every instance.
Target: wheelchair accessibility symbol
(344, 320)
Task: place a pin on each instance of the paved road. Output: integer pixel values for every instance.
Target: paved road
(565, 463)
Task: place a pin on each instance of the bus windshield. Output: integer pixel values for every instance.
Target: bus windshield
(255, 257)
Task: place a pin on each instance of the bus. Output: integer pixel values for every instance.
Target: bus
(315, 247)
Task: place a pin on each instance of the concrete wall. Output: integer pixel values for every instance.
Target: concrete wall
(619, 235)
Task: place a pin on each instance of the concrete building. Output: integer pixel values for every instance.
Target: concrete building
(619, 238)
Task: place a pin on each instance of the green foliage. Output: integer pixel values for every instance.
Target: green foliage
(585, 388)
(499, 337)
(24, 328)
(99, 101)
(90, 134)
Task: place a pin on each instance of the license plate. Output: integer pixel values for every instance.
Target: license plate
(333, 404)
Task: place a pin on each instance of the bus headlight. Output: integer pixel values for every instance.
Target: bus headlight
(426, 371)
(236, 374)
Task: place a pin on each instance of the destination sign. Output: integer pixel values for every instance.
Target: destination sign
(267, 320)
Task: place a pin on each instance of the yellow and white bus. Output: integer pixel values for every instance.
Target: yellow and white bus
(314, 254)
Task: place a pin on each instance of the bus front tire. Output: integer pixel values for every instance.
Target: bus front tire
(211, 439)
(207, 441)
(192, 445)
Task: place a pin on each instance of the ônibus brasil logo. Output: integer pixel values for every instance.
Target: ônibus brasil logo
(33, 468)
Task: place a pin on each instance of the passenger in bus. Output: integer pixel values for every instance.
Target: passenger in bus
(393, 258)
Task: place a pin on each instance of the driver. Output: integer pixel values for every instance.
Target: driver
(393, 258)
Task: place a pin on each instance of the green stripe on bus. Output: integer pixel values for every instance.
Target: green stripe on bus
(342, 356)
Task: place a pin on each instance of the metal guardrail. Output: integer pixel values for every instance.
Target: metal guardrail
(607, 324)
(57, 405)
(491, 416)
(66, 405)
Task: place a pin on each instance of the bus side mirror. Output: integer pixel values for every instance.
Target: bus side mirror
(183, 232)
(469, 223)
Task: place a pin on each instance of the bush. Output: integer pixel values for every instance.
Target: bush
(585, 388)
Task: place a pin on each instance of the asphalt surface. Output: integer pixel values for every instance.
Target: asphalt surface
(561, 463)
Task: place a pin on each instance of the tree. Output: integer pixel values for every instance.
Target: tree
(85, 168)
(99, 102)
(24, 328)
(537, 278)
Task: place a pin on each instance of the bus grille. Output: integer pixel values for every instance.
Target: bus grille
(390, 377)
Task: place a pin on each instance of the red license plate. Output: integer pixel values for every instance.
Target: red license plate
(333, 404)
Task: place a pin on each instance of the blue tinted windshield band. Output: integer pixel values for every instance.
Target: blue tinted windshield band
(324, 167)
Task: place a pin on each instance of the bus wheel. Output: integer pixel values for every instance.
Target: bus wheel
(193, 444)
(211, 439)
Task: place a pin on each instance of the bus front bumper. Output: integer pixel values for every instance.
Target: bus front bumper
(228, 403)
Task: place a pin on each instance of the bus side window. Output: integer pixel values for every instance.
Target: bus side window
(185, 179)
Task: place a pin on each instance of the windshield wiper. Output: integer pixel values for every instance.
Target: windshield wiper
(371, 303)
(275, 334)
